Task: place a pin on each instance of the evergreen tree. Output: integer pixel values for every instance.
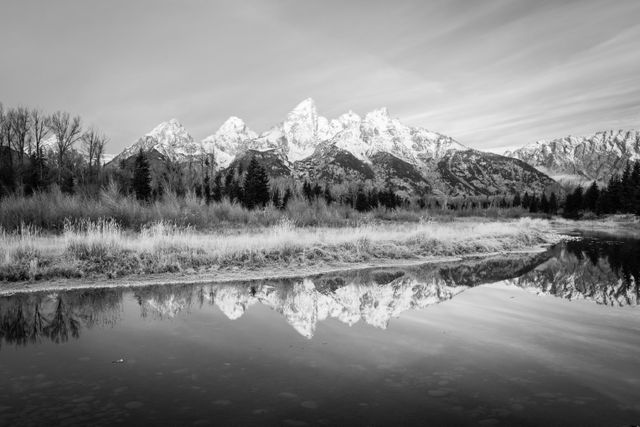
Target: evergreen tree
(307, 191)
(573, 204)
(544, 204)
(275, 198)
(236, 192)
(285, 198)
(328, 197)
(534, 204)
(526, 200)
(591, 197)
(362, 204)
(635, 182)
(256, 186)
(517, 201)
(553, 204)
(628, 190)
(141, 177)
(206, 188)
(216, 190)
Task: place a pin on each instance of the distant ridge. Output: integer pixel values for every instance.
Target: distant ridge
(583, 159)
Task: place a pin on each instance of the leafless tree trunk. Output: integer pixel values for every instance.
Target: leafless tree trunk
(93, 144)
(67, 131)
(3, 123)
(19, 121)
(39, 131)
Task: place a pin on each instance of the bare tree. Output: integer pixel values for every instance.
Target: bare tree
(93, 144)
(39, 129)
(19, 122)
(3, 121)
(67, 131)
(20, 138)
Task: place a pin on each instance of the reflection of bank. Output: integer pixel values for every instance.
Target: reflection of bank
(598, 270)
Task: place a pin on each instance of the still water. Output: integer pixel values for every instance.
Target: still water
(544, 339)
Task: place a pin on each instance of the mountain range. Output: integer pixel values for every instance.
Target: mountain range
(375, 148)
(579, 160)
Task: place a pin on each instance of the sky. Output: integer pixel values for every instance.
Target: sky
(493, 74)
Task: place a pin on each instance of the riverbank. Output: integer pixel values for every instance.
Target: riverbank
(101, 253)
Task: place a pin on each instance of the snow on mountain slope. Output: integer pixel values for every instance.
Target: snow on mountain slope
(231, 139)
(577, 160)
(299, 135)
(170, 139)
(344, 149)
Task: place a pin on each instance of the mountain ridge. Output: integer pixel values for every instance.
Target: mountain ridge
(350, 147)
(575, 160)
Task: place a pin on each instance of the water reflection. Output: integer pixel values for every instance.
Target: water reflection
(593, 268)
(29, 318)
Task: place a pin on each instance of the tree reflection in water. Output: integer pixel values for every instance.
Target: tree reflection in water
(29, 318)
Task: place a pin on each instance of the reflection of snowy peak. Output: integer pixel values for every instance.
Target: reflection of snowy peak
(570, 276)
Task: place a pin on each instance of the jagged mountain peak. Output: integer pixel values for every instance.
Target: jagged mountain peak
(349, 117)
(582, 159)
(232, 123)
(169, 138)
(378, 116)
(231, 138)
(351, 147)
(306, 105)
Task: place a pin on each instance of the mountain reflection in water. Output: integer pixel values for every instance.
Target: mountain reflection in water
(597, 269)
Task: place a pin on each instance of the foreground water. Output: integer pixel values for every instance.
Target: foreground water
(545, 339)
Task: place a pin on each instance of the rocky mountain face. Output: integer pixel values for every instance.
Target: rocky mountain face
(579, 160)
(375, 148)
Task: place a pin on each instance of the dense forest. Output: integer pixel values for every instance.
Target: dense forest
(621, 195)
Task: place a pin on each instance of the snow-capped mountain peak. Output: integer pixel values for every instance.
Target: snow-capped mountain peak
(582, 159)
(301, 130)
(169, 138)
(228, 141)
(378, 118)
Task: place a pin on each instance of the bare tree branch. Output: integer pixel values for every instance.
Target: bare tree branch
(93, 144)
(19, 121)
(67, 131)
(39, 129)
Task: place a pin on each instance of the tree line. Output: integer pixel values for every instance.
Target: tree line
(252, 188)
(39, 149)
(621, 195)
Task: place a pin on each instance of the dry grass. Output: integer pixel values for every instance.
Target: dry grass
(104, 249)
(51, 210)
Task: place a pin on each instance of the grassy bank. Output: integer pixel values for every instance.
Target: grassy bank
(103, 249)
